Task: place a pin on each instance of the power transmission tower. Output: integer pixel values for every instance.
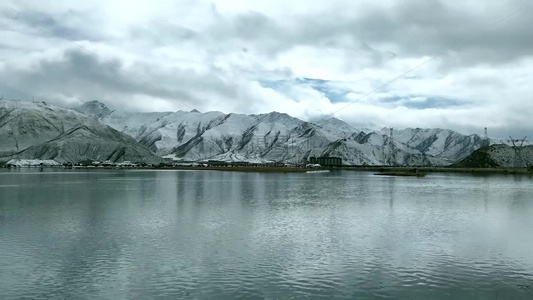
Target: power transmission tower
(517, 163)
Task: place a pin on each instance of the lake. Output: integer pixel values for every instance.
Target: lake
(147, 234)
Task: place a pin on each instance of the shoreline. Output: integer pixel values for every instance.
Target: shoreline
(223, 169)
(295, 169)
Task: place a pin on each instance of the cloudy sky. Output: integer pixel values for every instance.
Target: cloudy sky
(306, 58)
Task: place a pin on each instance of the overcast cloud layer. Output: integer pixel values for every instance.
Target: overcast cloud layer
(305, 58)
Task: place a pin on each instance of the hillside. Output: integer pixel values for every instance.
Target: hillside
(443, 143)
(37, 130)
(499, 156)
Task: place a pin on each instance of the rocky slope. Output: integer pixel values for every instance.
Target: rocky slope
(37, 130)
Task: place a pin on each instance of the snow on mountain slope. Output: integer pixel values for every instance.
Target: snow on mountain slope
(228, 135)
(337, 127)
(94, 109)
(443, 143)
(161, 132)
(274, 123)
(96, 143)
(280, 137)
(370, 154)
(377, 149)
(305, 141)
(242, 137)
(36, 130)
(24, 124)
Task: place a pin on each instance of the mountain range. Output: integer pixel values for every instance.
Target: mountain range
(37, 130)
(280, 137)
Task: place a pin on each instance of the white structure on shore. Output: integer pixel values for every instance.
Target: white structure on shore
(32, 163)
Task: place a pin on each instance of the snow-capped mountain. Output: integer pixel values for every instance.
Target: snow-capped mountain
(279, 137)
(37, 130)
(31, 130)
(336, 126)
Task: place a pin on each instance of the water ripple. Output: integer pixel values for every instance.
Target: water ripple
(215, 235)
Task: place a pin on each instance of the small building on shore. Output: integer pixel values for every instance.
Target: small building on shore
(326, 161)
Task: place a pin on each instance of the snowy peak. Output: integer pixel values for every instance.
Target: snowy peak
(336, 126)
(276, 117)
(95, 109)
(336, 123)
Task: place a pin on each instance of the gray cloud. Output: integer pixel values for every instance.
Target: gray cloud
(407, 29)
(45, 25)
(82, 76)
(420, 28)
(416, 28)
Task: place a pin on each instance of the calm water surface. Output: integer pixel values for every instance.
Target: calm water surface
(221, 235)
